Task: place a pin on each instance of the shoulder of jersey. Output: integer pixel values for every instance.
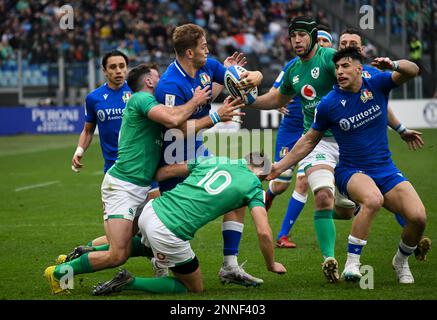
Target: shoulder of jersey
(97, 94)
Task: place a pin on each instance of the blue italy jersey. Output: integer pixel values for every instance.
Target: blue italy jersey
(104, 107)
(176, 88)
(359, 122)
(294, 120)
(369, 71)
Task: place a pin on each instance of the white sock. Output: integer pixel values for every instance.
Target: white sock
(230, 260)
(404, 251)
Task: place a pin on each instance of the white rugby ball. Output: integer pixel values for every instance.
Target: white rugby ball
(232, 77)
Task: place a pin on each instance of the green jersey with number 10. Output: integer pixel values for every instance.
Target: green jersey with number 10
(215, 186)
(311, 81)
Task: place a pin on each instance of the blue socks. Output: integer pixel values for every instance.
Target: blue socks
(231, 231)
(295, 206)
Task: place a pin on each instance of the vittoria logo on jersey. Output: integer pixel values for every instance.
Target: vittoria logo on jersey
(315, 72)
(366, 75)
(366, 95)
(126, 96)
(344, 124)
(308, 92)
(361, 118)
(109, 114)
(205, 79)
(101, 115)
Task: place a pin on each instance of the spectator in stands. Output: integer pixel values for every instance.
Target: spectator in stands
(416, 51)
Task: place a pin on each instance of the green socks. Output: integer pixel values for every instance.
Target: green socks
(325, 230)
(79, 265)
(137, 249)
(156, 285)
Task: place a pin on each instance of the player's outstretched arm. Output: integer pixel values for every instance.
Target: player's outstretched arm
(171, 171)
(85, 139)
(265, 238)
(301, 149)
(174, 117)
(411, 137)
(271, 100)
(225, 112)
(403, 70)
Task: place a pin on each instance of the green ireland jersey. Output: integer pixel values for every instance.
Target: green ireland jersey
(311, 81)
(215, 186)
(139, 142)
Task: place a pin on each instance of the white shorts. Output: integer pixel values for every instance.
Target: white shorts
(122, 199)
(169, 250)
(326, 152)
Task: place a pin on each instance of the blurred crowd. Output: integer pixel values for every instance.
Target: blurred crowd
(142, 29)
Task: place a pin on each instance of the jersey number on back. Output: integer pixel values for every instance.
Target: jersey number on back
(211, 177)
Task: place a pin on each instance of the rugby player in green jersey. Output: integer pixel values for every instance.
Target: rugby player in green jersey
(125, 185)
(213, 187)
(311, 77)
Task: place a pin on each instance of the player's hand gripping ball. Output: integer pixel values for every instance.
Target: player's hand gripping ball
(232, 78)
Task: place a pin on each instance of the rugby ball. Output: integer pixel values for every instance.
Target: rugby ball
(232, 77)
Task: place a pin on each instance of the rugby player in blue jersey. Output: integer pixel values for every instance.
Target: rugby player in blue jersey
(193, 68)
(356, 112)
(352, 38)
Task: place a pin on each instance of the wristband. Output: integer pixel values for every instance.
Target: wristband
(214, 117)
(401, 128)
(396, 66)
(79, 151)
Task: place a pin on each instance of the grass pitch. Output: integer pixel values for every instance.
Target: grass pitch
(46, 209)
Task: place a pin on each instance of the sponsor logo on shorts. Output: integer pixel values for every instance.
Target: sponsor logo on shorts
(131, 212)
(160, 256)
(320, 156)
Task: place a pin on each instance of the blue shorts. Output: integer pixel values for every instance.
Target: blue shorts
(385, 178)
(285, 140)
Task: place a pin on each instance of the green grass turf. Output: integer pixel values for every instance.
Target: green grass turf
(39, 223)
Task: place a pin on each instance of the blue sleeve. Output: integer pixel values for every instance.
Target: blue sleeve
(383, 82)
(168, 93)
(321, 116)
(371, 70)
(218, 71)
(90, 112)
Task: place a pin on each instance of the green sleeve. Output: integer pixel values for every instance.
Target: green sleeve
(330, 65)
(147, 102)
(286, 87)
(192, 163)
(255, 197)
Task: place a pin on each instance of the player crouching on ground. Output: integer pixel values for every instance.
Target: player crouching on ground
(213, 187)
(356, 113)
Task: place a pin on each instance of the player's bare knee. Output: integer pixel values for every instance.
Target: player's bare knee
(195, 288)
(279, 187)
(373, 201)
(324, 199)
(418, 218)
(118, 257)
(301, 185)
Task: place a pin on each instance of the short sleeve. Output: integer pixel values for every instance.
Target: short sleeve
(321, 116)
(169, 94)
(218, 71)
(90, 113)
(192, 163)
(280, 77)
(330, 65)
(255, 197)
(286, 87)
(383, 81)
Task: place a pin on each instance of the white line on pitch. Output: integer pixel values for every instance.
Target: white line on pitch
(39, 185)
